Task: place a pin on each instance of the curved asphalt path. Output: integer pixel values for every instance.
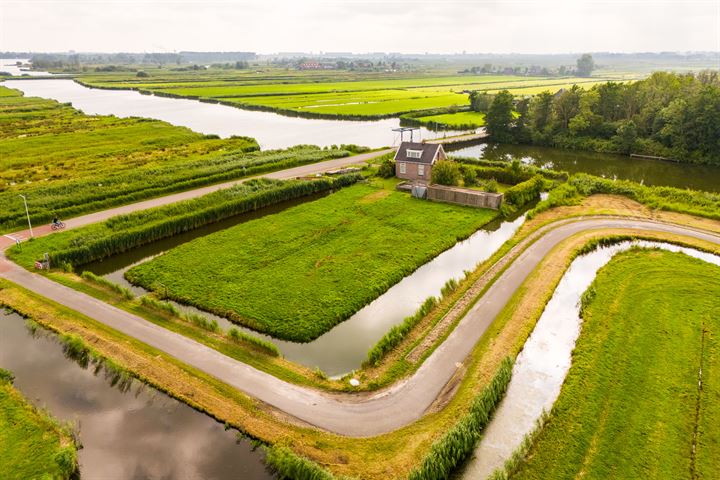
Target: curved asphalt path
(344, 414)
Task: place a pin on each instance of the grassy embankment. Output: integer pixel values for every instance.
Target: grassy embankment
(32, 443)
(334, 256)
(326, 97)
(631, 406)
(388, 456)
(67, 163)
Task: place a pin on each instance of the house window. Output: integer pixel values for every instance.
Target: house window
(403, 167)
(413, 153)
(421, 170)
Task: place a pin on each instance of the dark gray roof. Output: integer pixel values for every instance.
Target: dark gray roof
(429, 152)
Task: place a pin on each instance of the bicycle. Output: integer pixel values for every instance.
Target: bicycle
(57, 225)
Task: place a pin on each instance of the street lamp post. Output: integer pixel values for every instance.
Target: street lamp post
(27, 213)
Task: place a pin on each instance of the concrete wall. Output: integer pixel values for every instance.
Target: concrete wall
(411, 172)
(464, 196)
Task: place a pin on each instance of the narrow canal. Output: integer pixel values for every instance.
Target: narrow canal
(127, 433)
(649, 172)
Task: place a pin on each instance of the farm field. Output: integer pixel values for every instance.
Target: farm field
(363, 98)
(630, 406)
(455, 120)
(67, 163)
(336, 255)
(32, 443)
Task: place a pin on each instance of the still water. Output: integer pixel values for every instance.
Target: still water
(10, 65)
(649, 172)
(269, 129)
(541, 367)
(343, 348)
(139, 433)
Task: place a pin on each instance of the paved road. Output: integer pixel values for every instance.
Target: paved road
(344, 414)
(304, 170)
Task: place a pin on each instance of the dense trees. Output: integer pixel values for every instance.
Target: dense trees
(668, 115)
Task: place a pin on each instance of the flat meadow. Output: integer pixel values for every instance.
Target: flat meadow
(630, 406)
(338, 95)
(67, 163)
(298, 273)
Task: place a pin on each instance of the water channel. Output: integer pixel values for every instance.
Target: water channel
(145, 434)
(649, 172)
(138, 433)
(269, 129)
(541, 367)
(343, 348)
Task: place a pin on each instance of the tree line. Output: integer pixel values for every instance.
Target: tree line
(669, 115)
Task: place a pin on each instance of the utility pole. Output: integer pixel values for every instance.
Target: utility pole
(27, 213)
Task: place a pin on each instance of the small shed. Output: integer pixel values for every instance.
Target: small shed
(414, 161)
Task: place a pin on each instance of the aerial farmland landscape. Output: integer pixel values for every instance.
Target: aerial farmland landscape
(321, 240)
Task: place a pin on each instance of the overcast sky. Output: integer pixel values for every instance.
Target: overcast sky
(437, 26)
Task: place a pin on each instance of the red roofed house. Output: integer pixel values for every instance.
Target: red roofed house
(414, 161)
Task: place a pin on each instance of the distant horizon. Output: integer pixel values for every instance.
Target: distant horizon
(541, 27)
(298, 52)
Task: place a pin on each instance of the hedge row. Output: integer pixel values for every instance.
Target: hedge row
(125, 232)
(459, 442)
(692, 202)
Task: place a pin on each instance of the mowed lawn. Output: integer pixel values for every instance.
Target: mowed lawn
(630, 405)
(459, 120)
(298, 273)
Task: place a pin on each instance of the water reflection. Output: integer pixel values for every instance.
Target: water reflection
(269, 129)
(649, 172)
(134, 432)
(542, 365)
(345, 347)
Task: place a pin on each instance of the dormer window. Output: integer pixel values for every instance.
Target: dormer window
(413, 153)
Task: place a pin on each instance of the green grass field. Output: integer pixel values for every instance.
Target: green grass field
(630, 405)
(67, 163)
(339, 94)
(455, 120)
(32, 444)
(298, 273)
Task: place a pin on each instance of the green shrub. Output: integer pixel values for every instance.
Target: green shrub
(491, 185)
(266, 346)
(124, 291)
(692, 202)
(6, 376)
(129, 231)
(387, 168)
(397, 333)
(524, 192)
(446, 172)
(458, 443)
(290, 466)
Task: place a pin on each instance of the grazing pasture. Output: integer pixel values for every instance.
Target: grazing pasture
(630, 406)
(298, 273)
(67, 163)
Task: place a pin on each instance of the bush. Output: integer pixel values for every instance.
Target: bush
(129, 231)
(446, 172)
(387, 168)
(469, 176)
(396, 334)
(6, 376)
(458, 443)
(491, 185)
(290, 466)
(124, 291)
(266, 346)
(141, 74)
(692, 202)
(524, 192)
